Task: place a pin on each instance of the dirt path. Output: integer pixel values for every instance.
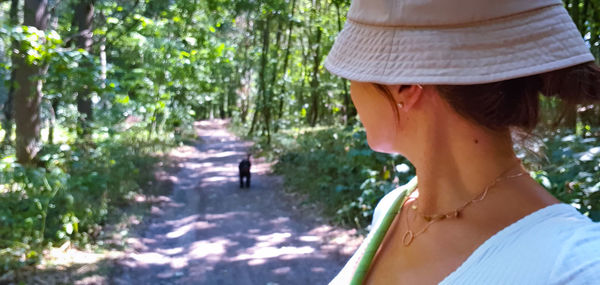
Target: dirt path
(209, 231)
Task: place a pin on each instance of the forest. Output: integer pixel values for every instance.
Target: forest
(94, 91)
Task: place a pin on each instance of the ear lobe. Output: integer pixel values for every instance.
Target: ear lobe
(408, 95)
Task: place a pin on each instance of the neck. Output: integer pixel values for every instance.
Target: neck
(456, 165)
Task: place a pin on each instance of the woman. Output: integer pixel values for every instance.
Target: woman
(445, 83)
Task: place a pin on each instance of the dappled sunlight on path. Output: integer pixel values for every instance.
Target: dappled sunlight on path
(209, 231)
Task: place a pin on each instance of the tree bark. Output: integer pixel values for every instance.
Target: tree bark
(300, 95)
(222, 106)
(53, 108)
(28, 92)
(262, 77)
(314, 83)
(253, 124)
(285, 65)
(245, 77)
(7, 109)
(83, 18)
(594, 17)
(313, 114)
(230, 102)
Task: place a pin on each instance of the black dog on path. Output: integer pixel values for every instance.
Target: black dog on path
(245, 171)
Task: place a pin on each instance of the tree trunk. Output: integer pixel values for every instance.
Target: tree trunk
(230, 102)
(595, 29)
(53, 108)
(222, 106)
(7, 109)
(253, 124)
(301, 99)
(285, 65)
(28, 92)
(84, 16)
(245, 77)
(269, 90)
(314, 83)
(265, 109)
(314, 42)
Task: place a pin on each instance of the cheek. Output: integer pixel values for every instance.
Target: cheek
(382, 137)
(378, 118)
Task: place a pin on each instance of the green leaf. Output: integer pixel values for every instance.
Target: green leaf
(112, 20)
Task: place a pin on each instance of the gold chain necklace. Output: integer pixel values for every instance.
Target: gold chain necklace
(409, 236)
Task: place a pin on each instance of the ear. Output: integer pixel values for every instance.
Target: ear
(408, 95)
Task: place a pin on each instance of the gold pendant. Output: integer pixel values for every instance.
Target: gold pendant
(409, 236)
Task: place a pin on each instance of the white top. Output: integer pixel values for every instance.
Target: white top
(554, 245)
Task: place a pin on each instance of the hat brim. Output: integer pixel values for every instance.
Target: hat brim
(525, 44)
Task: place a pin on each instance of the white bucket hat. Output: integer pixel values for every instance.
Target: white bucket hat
(454, 41)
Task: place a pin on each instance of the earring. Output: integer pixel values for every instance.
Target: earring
(400, 105)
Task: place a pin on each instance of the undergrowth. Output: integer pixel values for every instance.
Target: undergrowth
(334, 167)
(71, 194)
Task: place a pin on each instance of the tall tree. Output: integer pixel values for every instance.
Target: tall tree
(28, 90)
(83, 19)
(7, 109)
(262, 86)
(314, 82)
(315, 99)
(286, 58)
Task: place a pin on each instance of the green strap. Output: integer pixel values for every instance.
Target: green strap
(365, 262)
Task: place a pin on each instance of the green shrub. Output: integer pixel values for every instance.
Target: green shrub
(335, 167)
(70, 197)
(571, 171)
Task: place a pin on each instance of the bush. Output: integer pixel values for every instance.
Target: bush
(70, 196)
(26, 197)
(335, 167)
(571, 171)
